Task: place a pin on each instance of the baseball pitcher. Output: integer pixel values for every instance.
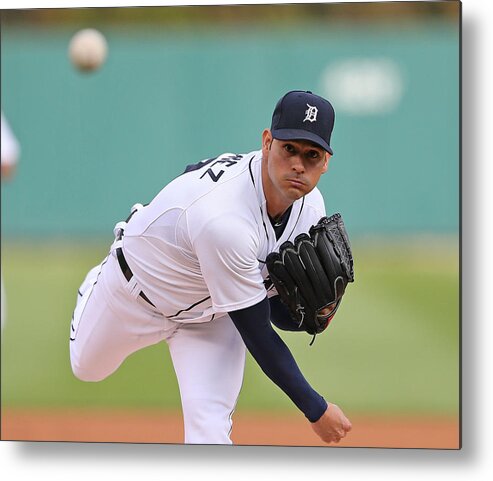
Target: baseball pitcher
(233, 245)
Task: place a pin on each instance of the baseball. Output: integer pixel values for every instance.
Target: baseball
(88, 49)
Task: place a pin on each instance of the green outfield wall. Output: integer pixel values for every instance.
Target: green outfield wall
(94, 144)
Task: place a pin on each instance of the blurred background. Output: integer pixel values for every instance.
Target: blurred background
(182, 84)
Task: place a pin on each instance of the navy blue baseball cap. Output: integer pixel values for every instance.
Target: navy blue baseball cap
(302, 115)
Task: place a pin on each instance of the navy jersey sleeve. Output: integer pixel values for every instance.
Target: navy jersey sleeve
(275, 359)
(281, 317)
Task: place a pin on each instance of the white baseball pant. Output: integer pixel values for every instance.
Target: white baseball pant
(111, 321)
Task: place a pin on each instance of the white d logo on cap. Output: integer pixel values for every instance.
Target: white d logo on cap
(311, 113)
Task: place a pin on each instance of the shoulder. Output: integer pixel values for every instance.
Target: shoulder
(223, 196)
(312, 210)
(315, 204)
(217, 170)
(314, 198)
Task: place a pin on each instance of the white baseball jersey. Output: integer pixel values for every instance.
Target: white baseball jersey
(9, 145)
(198, 249)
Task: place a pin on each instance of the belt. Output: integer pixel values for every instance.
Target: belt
(128, 273)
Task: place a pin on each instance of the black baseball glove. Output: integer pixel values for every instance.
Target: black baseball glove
(311, 275)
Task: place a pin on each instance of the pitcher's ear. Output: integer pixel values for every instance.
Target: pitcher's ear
(266, 139)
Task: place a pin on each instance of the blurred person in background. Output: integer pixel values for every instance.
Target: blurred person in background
(10, 155)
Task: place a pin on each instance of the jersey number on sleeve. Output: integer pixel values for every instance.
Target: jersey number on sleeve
(215, 170)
